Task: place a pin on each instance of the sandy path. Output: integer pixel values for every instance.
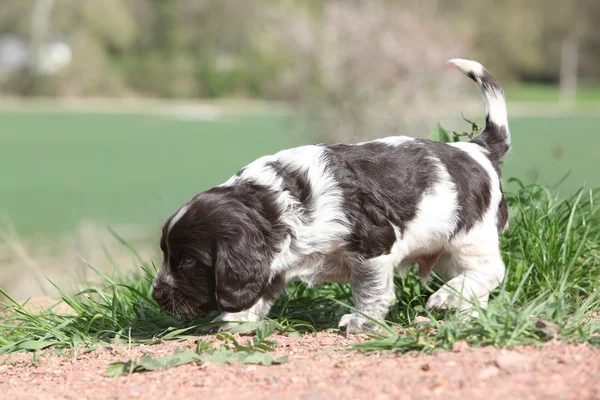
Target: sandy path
(556, 371)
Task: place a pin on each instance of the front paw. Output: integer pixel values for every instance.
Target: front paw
(443, 300)
(356, 323)
(215, 329)
(224, 326)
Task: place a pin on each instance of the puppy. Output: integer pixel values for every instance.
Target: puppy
(345, 213)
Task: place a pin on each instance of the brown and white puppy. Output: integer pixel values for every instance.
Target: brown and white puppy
(345, 213)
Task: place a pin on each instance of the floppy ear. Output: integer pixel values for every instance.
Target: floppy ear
(241, 269)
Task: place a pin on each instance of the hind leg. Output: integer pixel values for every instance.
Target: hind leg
(471, 272)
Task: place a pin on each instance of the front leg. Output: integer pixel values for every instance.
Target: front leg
(372, 284)
(256, 313)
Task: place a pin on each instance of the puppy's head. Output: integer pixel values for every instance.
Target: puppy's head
(215, 256)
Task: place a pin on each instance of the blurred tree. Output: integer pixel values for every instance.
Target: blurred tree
(589, 39)
(92, 28)
(213, 48)
(524, 39)
(367, 69)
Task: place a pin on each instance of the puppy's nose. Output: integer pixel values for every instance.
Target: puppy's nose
(158, 294)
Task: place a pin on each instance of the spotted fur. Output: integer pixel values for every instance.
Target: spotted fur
(345, 213)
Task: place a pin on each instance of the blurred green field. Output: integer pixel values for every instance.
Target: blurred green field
(548, 148)
(57, 168)
(587, 94)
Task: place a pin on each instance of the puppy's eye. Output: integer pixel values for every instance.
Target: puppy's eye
(187, 261)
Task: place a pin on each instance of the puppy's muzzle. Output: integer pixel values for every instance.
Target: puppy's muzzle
(159, 294)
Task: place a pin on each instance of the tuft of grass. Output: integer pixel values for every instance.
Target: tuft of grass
(119, 310)
(551, 251)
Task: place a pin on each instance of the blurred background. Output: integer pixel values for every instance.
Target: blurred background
(114, 112)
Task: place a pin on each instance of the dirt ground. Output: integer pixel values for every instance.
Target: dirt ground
(315, 371)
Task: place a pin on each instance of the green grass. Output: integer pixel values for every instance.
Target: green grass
(58, 168)
(552, 253)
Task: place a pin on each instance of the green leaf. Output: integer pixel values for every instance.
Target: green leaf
(218, 357)
(176, 332)
(245, 327)
(149, 363)
(439, 134)
(241, 357)
(262, 359)
(265, 329)
(34, 345)
(179, 357)
(118, 369)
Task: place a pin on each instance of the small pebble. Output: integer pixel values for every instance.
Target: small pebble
(488, 372)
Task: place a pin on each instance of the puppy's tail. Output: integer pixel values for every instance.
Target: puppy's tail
(495, 137)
